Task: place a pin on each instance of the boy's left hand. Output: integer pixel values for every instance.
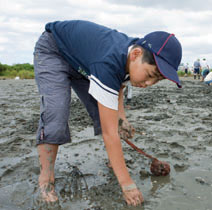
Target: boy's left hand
(125, 129)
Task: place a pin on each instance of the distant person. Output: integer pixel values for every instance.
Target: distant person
(205, 69)
(197, 68)
(208, 79)
(94, 61)
(186, 70)
(128, 93)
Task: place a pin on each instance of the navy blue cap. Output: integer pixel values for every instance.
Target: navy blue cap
(167, 52)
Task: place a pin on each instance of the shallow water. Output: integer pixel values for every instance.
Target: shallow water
(176, 126)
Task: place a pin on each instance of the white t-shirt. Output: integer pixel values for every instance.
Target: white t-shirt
(208, 77)
(204, 65)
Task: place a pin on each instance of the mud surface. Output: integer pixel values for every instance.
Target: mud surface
(175, 125)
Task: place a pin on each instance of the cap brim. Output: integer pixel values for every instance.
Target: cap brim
(167, 70)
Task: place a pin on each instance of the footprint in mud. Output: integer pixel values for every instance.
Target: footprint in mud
(175, 145)
(24, 169)
(181, 167)
(162, 154)
(179, 156)
(30, 126)
(157, 117)
(16, 146)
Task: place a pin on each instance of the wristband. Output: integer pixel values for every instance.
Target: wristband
(129, 187)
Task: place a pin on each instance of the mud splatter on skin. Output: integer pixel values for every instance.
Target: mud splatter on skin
(51, 166)
(172, 124)
(50, 157)
(48, 148)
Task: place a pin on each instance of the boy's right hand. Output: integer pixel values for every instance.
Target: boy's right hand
(132, 196)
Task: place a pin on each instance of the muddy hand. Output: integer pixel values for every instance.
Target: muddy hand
(132, 195)
(125, 129)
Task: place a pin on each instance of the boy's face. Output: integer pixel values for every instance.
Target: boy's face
(142, 74)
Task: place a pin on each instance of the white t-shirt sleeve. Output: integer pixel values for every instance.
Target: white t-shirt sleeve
(208, 77)
(103, 94)
(105, 84)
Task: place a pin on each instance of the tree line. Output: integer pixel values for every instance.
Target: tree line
(24, 71)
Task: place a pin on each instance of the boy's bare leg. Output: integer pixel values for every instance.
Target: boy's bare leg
(47, 156)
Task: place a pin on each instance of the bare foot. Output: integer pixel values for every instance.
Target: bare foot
(48, 193)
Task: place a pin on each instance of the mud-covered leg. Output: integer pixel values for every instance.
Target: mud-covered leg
(47, 155)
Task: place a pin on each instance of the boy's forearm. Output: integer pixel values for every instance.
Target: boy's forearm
(109, 125)
(116, 157)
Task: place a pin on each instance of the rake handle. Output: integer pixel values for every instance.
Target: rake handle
(139, 150)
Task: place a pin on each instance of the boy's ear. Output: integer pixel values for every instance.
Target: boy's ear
(136, 52)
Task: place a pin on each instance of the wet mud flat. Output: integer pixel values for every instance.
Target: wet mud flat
(175, 125)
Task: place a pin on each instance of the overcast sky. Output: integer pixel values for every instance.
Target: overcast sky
(22, 22)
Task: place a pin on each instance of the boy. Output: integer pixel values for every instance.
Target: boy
(95, 61)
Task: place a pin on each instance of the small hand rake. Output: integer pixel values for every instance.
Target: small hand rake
(158, 168)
